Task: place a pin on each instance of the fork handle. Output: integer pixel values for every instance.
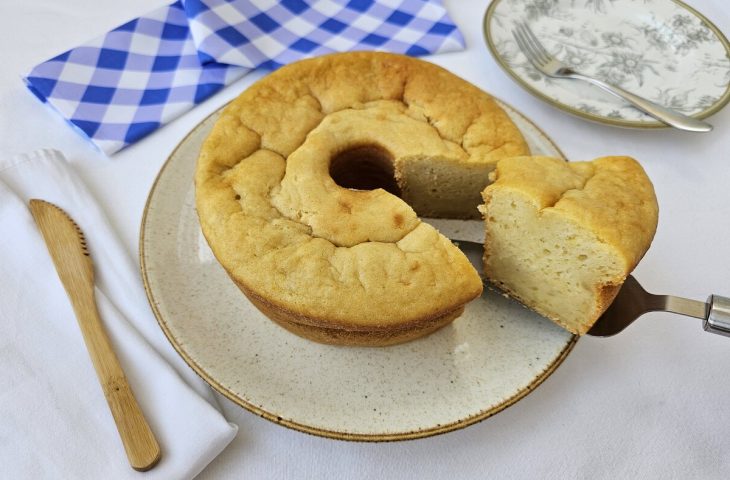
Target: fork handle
(718, 317)
(663, 114)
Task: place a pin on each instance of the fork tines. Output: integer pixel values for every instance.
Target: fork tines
(530, 45)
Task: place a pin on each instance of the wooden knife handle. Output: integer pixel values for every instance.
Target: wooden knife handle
(141, 446)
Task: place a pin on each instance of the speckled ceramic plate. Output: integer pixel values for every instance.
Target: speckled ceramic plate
(486, 360)
(662, 50)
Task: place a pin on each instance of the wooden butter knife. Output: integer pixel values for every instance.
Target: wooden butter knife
(67, 247)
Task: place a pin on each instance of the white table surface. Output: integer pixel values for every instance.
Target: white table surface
(653, 402)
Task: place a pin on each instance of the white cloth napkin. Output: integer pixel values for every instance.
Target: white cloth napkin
(54, 420)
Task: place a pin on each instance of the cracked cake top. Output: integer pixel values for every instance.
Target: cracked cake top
(286, 232)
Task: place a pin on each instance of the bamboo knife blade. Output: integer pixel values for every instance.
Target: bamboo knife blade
(67, 247)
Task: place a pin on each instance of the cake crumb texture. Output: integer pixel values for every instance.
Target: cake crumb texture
(562, 237)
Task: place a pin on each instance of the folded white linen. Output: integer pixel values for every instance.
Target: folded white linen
(55, 421)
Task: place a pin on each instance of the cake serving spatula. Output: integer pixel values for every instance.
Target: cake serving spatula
(67, 247)
(633, 301)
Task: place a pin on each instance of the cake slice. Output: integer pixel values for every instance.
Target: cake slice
(562, 237)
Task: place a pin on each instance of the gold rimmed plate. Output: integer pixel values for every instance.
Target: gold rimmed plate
(489, 358)
(662, 50)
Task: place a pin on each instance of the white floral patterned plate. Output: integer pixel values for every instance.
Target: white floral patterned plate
(493, 355)
(662, 50)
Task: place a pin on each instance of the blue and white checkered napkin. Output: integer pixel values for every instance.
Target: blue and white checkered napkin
(123, 85)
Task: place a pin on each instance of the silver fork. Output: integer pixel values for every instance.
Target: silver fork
(552, 67)
(633, 301)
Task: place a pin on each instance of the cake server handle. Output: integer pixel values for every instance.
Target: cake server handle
(715, 312)
(718, 315)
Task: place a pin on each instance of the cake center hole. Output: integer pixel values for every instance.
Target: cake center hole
(365, 168)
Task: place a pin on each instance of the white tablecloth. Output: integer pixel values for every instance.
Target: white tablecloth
(649, 403)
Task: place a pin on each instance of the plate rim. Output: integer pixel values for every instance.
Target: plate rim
(301, 427)
(647, 125)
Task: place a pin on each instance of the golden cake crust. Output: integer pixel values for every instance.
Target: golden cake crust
(356, 266)
(610, 196)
